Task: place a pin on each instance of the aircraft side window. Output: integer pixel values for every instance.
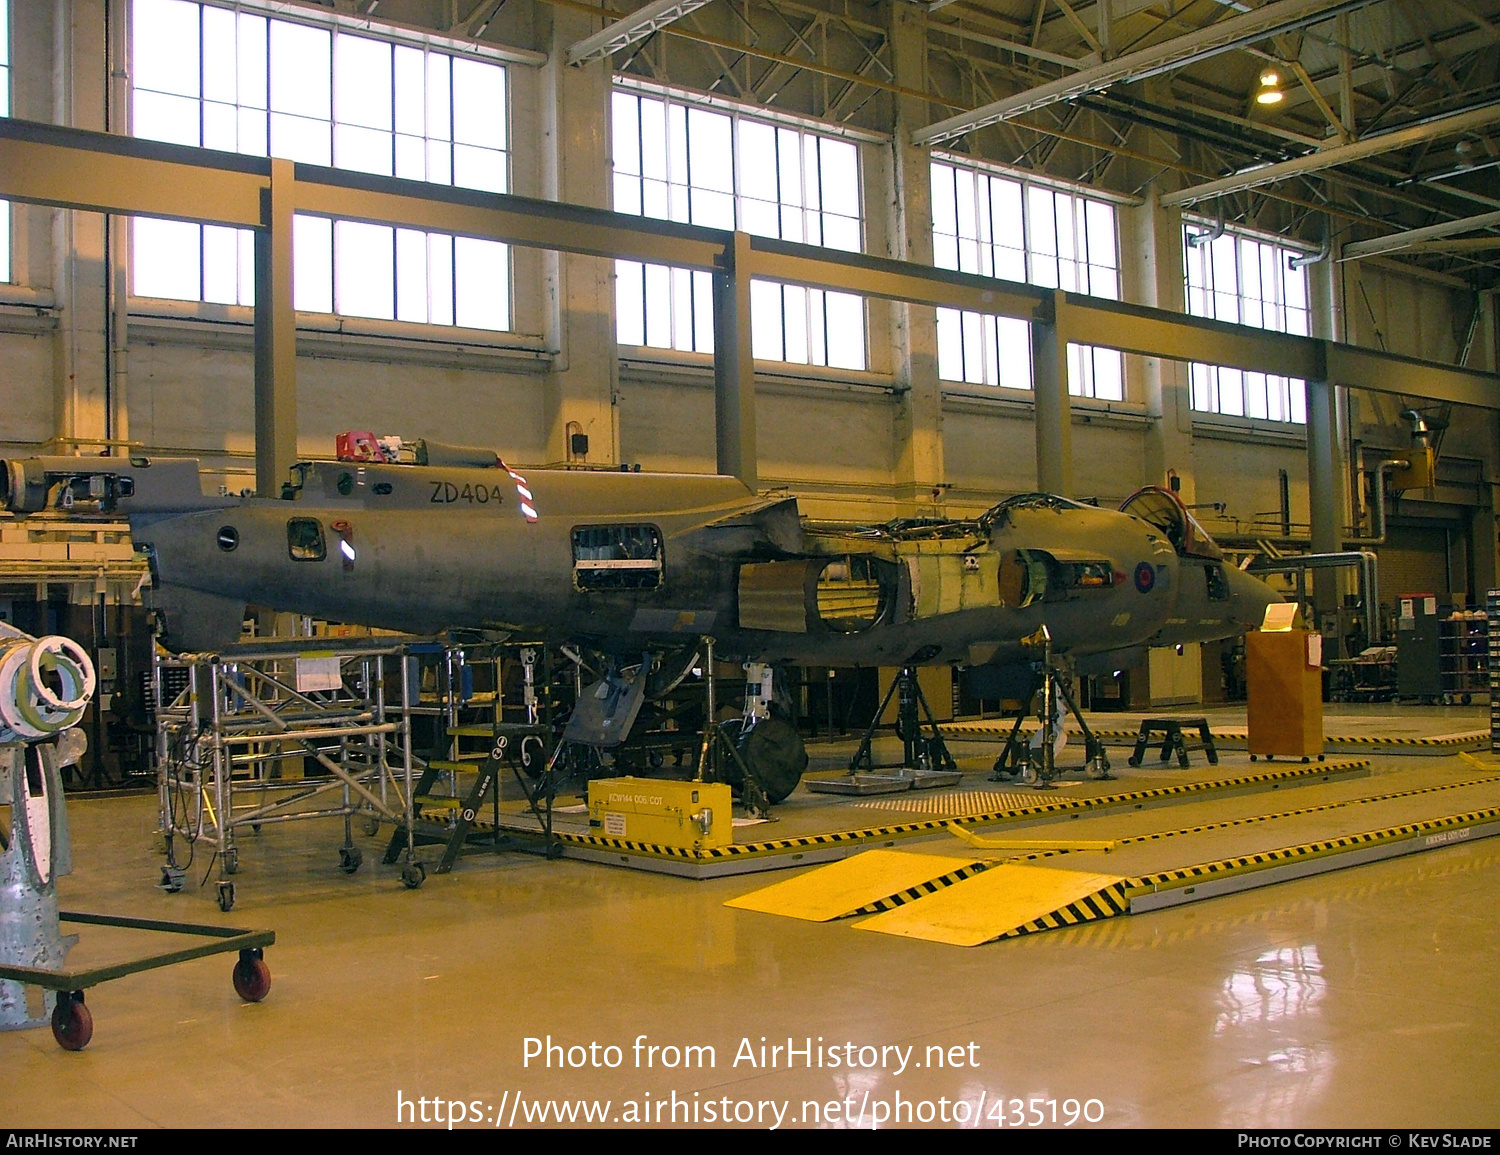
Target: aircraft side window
(617, 557)
(1218, 584)
(304, 539)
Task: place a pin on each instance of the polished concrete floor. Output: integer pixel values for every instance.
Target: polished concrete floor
(1363, 998)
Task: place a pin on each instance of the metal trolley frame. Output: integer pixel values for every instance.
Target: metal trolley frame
(227, 727)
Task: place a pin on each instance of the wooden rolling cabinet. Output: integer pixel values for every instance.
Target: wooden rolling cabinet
(1285, 677)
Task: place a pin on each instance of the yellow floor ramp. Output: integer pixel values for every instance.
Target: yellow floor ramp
(862, 884)
(1005, 900)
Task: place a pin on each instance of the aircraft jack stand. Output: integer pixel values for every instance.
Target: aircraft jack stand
(925, 764)
(719, 757)
(1038, 768)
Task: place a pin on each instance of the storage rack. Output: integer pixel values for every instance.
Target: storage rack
(1492, 609)
(1464, 655)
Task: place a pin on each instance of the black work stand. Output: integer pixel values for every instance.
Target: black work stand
(505, 749)
(1173, 740)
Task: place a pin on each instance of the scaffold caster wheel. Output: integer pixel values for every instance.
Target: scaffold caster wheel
(172, 879)
(1098, 767)
(1027, 775)
(554, 851)
(370, 825)
(413, 874)
(252, 977)
(231, 861)
(226, 896)
(72, 1024)
(350, 859)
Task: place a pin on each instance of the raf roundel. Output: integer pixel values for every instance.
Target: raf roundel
(1145, 577)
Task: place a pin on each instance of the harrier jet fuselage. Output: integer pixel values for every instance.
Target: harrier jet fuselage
(640, 562)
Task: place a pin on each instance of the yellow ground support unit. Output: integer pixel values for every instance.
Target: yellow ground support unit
(658, 812)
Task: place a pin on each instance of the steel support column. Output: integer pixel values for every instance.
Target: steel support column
(1054, 417)
(1322, 485)
(275, 336)
(734, 366)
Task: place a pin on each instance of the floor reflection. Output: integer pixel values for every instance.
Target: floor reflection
(1268, 1016)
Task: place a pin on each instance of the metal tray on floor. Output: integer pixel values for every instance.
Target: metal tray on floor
(862, 784)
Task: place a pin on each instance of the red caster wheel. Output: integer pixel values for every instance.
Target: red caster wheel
(252, 978)
(72, 1024)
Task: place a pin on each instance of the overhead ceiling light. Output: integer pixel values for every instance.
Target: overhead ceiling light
(1465, 151)
(1269, 89)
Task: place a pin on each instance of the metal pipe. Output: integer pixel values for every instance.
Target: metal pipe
(1369, 577)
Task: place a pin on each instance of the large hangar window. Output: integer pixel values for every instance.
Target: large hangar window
(243, 82)
(1249, 281)
(709, 166)
(998, 226)
(5, 270)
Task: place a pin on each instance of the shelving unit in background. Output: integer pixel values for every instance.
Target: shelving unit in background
(1464, 655)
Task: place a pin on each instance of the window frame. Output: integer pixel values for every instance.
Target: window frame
(321, 553)
(686, 301)
(983, 335)
(455, 282)
(1208, 382)
(7, 212)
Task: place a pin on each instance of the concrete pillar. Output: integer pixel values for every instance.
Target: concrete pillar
(1156, 256)
(1054, 412)
(275, 337)
(734, 367)
(919, 420)
(579, 319)
(81, 386)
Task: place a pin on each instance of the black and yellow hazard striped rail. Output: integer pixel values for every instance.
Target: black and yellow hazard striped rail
(1235, 737)
(795, 851)
(1205, 880)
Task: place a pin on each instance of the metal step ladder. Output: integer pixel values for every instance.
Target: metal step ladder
(514, 744)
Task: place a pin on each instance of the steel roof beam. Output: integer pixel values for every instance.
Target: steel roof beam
(1397, 241)
(1179, 52)
(1341, 154)
(637, 26)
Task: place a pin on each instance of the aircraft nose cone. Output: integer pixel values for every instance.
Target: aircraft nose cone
(1251, 597)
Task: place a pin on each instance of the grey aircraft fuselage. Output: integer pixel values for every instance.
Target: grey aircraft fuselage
(635, 562)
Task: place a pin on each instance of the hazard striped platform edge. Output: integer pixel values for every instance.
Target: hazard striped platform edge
(962, 730)
(931, 886)
(1116, 899)
(926, 826)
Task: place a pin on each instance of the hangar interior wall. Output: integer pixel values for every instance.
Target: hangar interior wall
(871, 444)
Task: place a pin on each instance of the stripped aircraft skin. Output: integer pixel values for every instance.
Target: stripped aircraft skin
(648, 562)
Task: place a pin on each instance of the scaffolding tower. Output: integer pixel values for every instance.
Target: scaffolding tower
(283, 731)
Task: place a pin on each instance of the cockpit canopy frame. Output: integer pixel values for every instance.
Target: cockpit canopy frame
(1164, 511)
